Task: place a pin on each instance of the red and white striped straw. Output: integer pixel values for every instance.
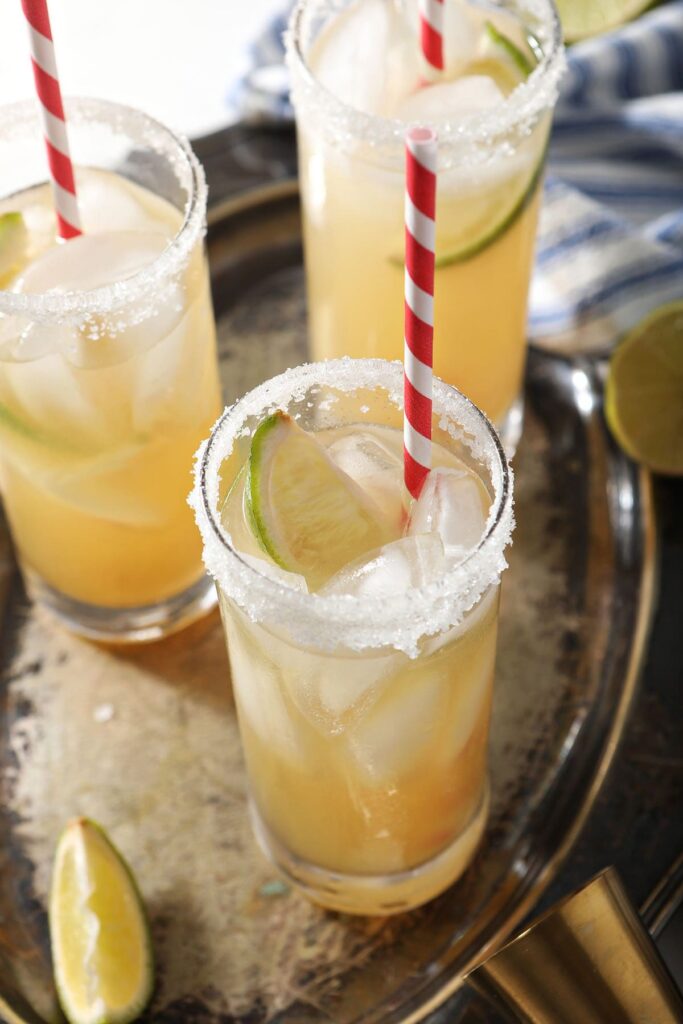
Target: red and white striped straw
(420, 231)
(54, 123)
(431, 32)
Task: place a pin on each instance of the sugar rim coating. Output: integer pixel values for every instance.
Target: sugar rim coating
(332, 622)
(474, 139)
(18, 119)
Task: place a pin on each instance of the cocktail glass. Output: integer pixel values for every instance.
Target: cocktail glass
(489, 182)
(108, 371)
(364, 721)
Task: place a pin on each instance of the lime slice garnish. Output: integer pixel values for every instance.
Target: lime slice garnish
(523, 64)
(509, 210)
(101, 947)
(13, 239)
(583, 18)
(309, 516)
(508, 65)
(644, 392)
(445, 259)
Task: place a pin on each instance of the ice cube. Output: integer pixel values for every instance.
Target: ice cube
(345, 60)
(54, 399)
(388, 739)
(392, 569)
(91, 261)
(331, 690)
(447, 101)
(257, 684)
(374, 467)
(471, 699)
(107, 202)
(175, 379)
(451, 507)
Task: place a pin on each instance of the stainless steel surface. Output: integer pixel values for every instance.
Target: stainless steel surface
(146, 742)
(588, 959)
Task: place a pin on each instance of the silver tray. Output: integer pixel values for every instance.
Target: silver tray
(145, 740)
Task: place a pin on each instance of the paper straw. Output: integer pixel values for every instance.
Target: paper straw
(420, 229)
(431, 32)
(54, 123)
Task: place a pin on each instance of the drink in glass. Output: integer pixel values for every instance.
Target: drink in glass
(357, 80)
(361, 632)
(108, 371)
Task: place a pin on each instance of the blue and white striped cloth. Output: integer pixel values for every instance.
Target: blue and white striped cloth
(610, 245)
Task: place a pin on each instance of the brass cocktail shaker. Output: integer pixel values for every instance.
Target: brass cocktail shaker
(589, 960)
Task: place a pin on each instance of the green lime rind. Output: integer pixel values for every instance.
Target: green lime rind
(582, 19)
(131, 1012)
(13, 241)
(522, 63)
(644, 391)
(253, 497)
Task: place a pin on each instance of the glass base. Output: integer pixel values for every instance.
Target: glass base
(510, 430)
(141, 624)
(375, 894)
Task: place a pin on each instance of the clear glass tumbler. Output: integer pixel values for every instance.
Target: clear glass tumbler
(490, 165)
(108, 371)
(364, 721)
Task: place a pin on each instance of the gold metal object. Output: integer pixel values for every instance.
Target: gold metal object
(589, 960)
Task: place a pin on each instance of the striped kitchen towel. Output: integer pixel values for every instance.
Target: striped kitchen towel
(610, 246)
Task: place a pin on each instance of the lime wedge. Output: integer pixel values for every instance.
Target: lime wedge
(490, 216)
(13, 239)
(487, 238)
(523, 64)
(584, 18)
(309, 516)
(101, 947)
(512, 204)
(644, 392)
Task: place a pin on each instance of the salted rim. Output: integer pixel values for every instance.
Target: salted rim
(17, 118)
(479, 133)
(344, 621)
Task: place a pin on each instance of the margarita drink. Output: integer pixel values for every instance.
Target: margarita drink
(108, 379)
(358, 80)
(361, 633)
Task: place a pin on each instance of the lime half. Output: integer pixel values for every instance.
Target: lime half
(13, 239)
(101, 948)
(309, 516)
(644, 392)
(584, 18)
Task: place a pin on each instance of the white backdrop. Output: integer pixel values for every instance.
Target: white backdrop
(174, 59)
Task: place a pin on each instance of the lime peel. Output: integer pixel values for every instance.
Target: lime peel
(101, 945)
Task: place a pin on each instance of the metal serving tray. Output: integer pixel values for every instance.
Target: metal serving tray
(145, 740)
